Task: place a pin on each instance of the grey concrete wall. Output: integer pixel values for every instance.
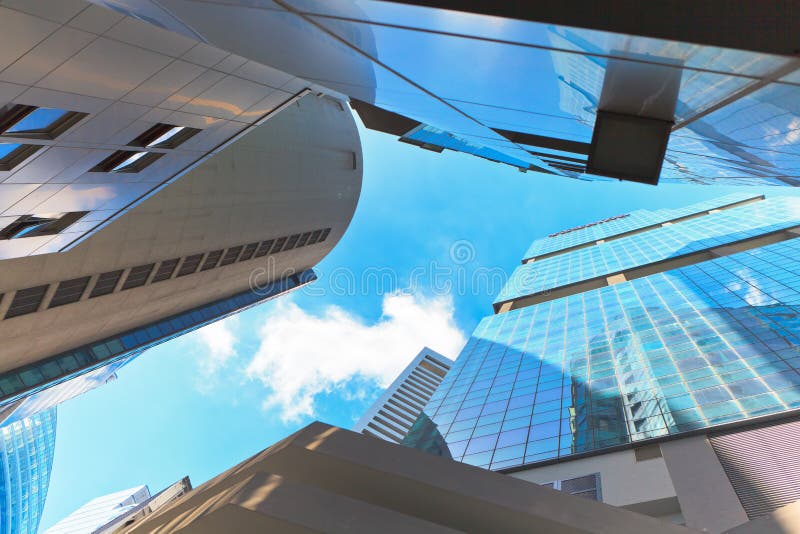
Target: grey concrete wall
(707, 499)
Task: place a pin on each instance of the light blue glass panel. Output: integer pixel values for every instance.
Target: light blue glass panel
(661, 243)
(692, 348)
(27, 459)
(635, 220)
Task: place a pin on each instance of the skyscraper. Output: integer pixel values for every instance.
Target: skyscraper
(611, 91)
(114, 511)
(643, 358)
(390, 417)
(151, 157)
(100, 511)
(27, 458)
(150, 184)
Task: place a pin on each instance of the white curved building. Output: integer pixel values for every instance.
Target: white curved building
(161, 184)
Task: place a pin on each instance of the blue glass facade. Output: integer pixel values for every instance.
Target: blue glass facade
(27, 458)
(710, 343)
(661, 243)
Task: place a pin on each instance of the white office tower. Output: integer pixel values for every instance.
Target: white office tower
(391, 416)
(100, 511)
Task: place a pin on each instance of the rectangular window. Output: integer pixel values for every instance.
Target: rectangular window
(106, 283)
(126, 161)
(190, 264)
(26, 301)
(211, 260)
(165, 270)
(18, 120)
(324, 235)
(12, 154)
(138, 276)
(69, 291)
(164, 136)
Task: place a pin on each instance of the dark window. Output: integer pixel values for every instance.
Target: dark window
(17, 120)
(190, 264)
(26, 301)
(164, 136)
(12, 154)
(138, 276)
(264, 248)
(126, 161)
(69, 291)
(231, 255)
(303, 240)
(314, 237)
(278, 245)
(106, 283)
(165, 270)
(36, 225)
(211, 260)
(248, 251)
(324, 235)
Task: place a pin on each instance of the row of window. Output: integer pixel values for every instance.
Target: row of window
(30, 300)
(30, 122)
(38, 376)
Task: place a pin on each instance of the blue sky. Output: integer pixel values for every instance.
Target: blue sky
(204, 402)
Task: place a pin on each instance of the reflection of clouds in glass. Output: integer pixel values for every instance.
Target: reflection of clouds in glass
(748, 290)
(82, 197)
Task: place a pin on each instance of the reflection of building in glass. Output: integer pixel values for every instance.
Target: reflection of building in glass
(27, 458)
(614, 343)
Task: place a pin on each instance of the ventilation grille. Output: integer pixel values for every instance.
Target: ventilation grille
(138, 276)
(26, 301)
(587, 486)
(211, 260)
(165, 270)
(29, 300)
(69, 291)
(106, 283)
(190, 265)
(762, 465)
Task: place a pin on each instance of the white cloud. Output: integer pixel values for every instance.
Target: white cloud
(302, 355)
(219, 340)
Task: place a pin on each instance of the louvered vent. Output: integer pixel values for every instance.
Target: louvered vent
(762, 465)
(106, 283)
(138, 276)
(69, 291)
(587, 486)
(26, 301)
(165, 270)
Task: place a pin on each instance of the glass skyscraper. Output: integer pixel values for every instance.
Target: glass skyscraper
(638, 328)
(27, 458)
